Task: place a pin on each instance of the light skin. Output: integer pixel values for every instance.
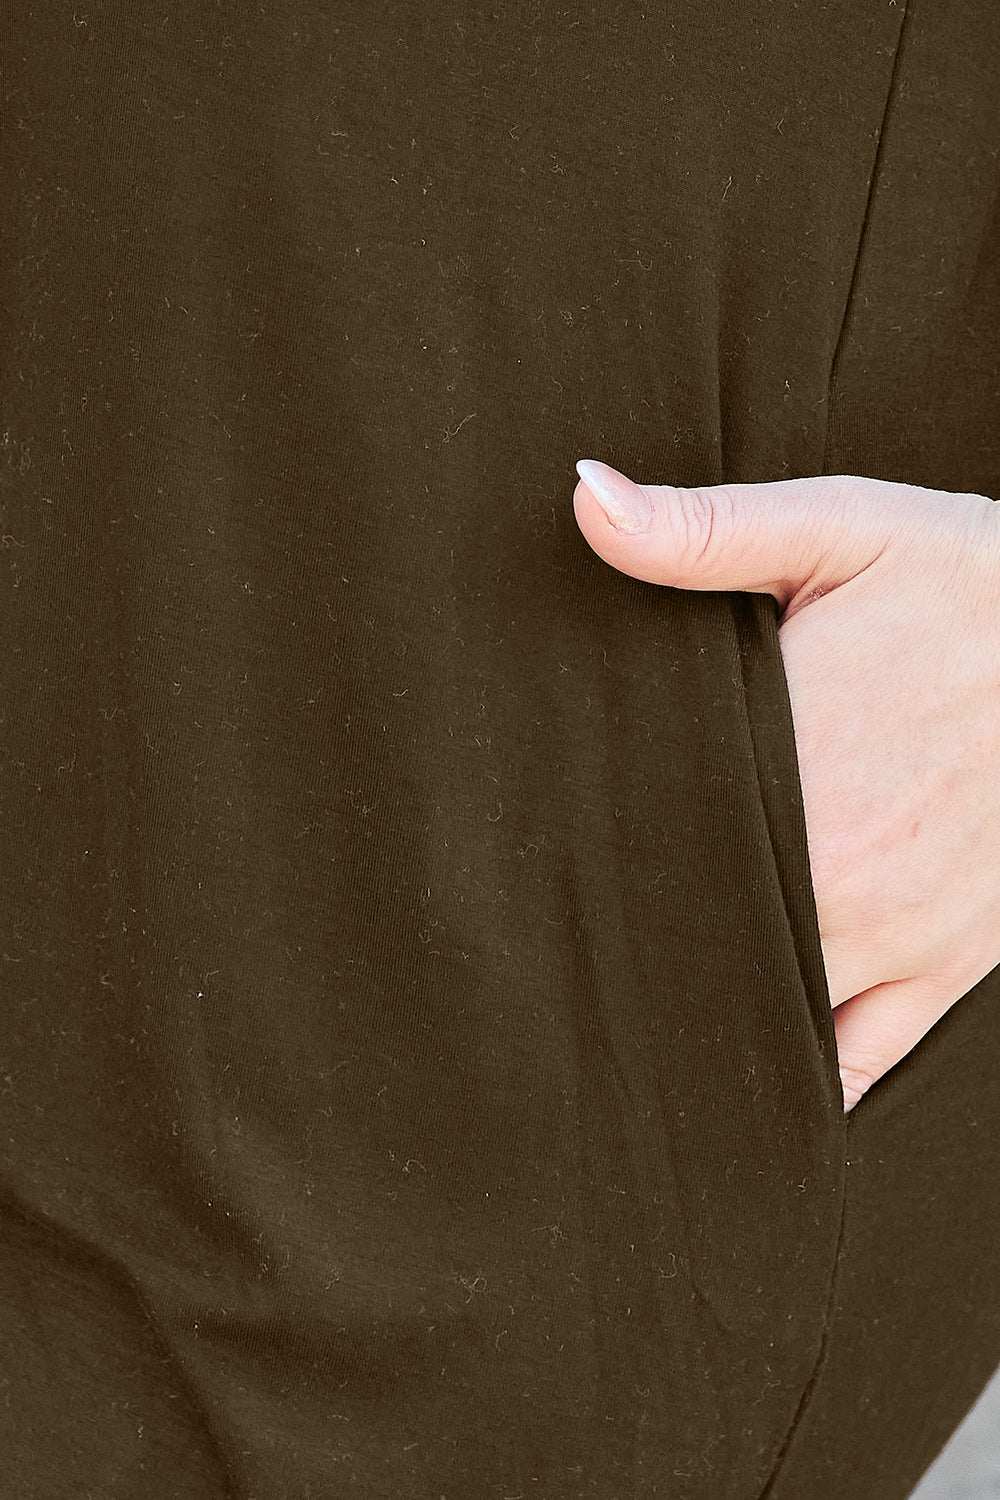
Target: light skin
(890, 638)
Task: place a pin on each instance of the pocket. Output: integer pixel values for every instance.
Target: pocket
(745, 1051)
(772, 734)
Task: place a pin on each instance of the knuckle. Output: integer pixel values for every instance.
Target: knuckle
(859, 1079)
(698, 517)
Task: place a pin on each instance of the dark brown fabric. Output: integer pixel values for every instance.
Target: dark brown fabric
(417, 1075)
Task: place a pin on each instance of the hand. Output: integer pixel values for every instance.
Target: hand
(890, 639)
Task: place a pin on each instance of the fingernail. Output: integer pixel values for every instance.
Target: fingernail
(624, 503)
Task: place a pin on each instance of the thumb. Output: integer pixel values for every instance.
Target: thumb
(793, 538)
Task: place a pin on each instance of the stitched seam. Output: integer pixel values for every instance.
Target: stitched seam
(865, 225)
(807, 1394)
